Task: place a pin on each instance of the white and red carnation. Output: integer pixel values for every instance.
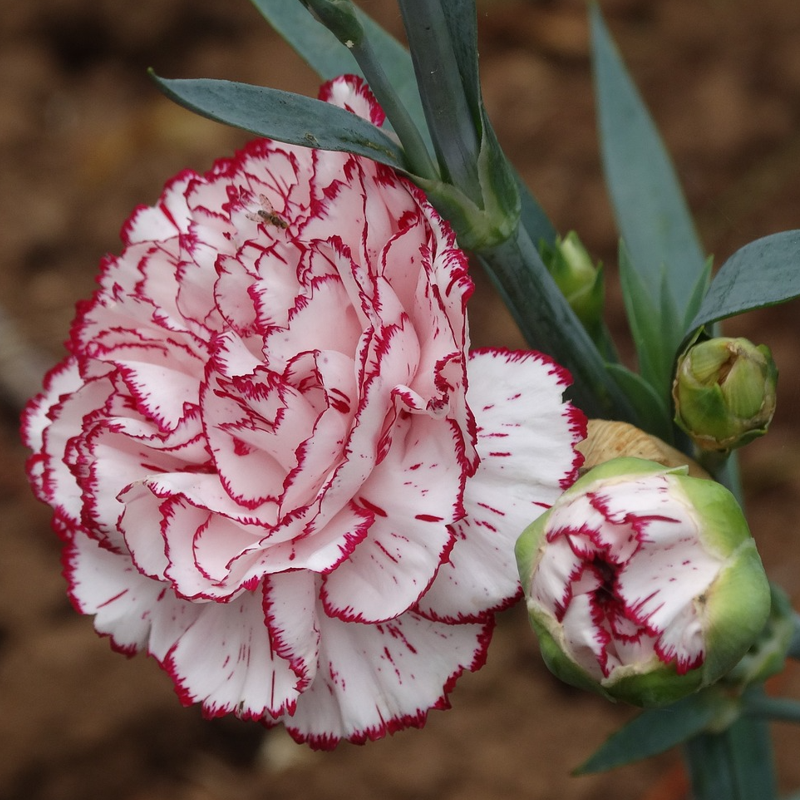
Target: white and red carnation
(642, 583)
(263, 457)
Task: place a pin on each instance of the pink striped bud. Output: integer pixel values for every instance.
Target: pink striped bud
(643, 584)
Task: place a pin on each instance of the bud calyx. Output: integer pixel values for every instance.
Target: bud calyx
(724, 392)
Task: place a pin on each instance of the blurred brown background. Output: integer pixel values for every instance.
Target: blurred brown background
(84, 137)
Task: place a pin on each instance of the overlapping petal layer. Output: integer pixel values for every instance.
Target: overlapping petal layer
(621, 571)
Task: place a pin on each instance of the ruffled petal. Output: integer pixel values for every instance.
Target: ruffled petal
(377, 679)
(526, 439)
(352, 93)
(226, 661)
(415, 496)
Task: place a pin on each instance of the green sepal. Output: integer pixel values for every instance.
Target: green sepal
(724, 392)
(767, 655)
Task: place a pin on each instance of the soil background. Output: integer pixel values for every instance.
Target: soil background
(85, 136)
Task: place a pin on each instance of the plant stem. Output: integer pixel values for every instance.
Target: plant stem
(734, 764)
(548, 324)
(417, 155)
(452, 127)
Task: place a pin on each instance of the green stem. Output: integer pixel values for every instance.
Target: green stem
(549, 324)
(417, 155)
(724, 467)
(453, 129)
(734, 764)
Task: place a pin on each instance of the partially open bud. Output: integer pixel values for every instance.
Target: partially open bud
(724, 392)
(580, 281)
(642, 583)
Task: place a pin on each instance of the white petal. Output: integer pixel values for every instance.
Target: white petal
(352, 93)
(376, 679)
(227, 662)
(290, 606)
(136, 612)
(526, 439)
(415, 494)
(164, 221)
(524, 425)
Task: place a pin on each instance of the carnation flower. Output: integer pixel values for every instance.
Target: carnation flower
(643, 583)
(263, 457)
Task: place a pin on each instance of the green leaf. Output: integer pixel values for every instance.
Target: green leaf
(462, 23)
(735, 764)
(653, 413)
(284, 116)
(312, 41)
(654, 731)
(533, 217)
(649, 206)
(794, 644)
(453, 124)
(774, 708)
(762, 273)
(320, 49)
(326, 56)
(654, 330)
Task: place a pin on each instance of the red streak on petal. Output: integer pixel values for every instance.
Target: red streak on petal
(372, 507)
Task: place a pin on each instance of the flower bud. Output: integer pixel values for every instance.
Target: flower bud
(642, 583)
(580, 281)
(724, 392)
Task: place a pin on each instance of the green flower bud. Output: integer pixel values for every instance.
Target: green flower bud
(580, 281)
(724, 392)
(642, 583)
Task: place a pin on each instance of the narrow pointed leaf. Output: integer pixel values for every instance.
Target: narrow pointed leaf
(652, 409)
(533, 217)
(774, 708)
(310, 39)
(655, 352)
(699, 291)
(462, 23)
(653, 732)
(451, 121)
(735, 764)
(649, 206)
(316, 45)
(794, 644)
(762, 273)
(285, 117)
